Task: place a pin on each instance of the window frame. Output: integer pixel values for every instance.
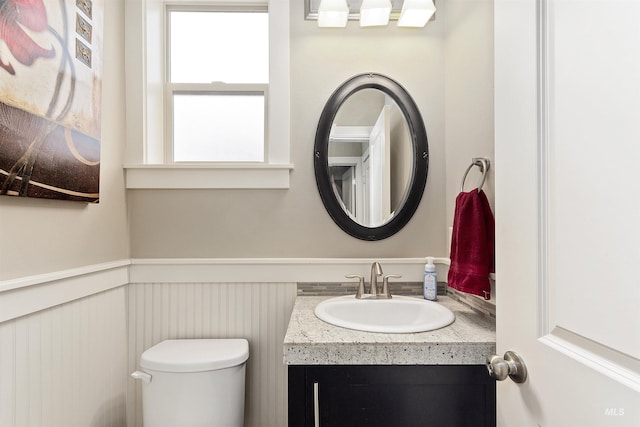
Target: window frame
(147, 161)
(172, 88)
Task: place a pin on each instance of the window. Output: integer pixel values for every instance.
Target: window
(217, 126)
(202, 124)
(218, 74)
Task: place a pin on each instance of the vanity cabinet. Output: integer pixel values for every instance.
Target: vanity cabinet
(427, 379)
(391, 396)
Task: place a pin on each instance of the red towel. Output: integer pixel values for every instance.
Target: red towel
(472, 244)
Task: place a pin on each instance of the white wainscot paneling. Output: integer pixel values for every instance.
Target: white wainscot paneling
(258, 312)
(66, 365)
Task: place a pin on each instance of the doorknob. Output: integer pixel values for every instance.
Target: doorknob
(511, 365)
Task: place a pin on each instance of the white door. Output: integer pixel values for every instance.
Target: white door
(349, 191)
(567, 155)
(366, 192)
(380, 169)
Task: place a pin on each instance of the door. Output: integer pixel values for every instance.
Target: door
(366, 188)
(349, 191)
(380, 169)
(567, 150)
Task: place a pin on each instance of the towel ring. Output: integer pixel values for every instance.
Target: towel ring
(484, 164)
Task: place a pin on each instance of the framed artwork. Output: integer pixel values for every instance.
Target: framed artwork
(50, 98)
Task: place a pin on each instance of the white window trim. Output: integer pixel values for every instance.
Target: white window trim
(145, 67)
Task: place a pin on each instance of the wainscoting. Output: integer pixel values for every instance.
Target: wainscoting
(70, 339)
(66, 365)
(258, 312)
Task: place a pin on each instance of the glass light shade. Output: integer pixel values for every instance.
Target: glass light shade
(416, 13)
(375, 12)
(333, 13)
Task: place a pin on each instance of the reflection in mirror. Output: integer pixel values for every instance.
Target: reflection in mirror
(370, 157)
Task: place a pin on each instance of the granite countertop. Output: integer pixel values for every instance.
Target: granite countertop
(310, 341)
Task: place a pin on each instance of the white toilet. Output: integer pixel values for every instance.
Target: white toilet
(194, 382)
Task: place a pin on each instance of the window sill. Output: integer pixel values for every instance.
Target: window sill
(201, 176)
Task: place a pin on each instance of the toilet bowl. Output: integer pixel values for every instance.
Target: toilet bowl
(194, 382)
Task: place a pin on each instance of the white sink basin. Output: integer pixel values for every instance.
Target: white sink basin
(396, 315)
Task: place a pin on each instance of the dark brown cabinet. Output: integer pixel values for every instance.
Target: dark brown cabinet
(391, 396)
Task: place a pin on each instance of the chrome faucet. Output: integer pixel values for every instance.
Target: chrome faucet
(376, 270)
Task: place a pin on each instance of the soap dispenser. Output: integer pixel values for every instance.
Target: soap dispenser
(430, 285)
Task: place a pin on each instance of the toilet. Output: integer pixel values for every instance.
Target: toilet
(194, 382)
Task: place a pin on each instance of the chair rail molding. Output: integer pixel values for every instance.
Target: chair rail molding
(287, 270)
(26, 295)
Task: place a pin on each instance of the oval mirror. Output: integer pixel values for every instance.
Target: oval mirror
(371, 156)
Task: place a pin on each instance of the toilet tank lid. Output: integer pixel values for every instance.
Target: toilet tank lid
(195, 355)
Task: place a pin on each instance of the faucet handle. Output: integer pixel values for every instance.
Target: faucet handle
(360, 284)
(385, 283)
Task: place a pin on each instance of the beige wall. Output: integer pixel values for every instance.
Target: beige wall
(449, 77)
(294, 223)
(42, 236)
(469, 95)
(67, 365)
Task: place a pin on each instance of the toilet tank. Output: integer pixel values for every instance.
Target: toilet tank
(194, 382)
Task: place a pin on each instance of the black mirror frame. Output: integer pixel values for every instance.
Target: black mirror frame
(420, 156)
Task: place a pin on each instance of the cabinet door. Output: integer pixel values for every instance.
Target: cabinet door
(398, 396)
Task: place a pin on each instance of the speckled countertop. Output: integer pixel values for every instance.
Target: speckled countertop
(310, 341)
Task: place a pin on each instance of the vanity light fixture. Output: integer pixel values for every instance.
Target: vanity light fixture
(375, 13)
(416, 13)
(370, 13)
(333, 13)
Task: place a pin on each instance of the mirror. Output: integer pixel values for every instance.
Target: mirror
(371, 156)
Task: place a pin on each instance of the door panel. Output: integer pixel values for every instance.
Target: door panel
(380, 167)
(567, 131)
(593, 148)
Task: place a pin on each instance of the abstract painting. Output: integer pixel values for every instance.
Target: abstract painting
(50, 98)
